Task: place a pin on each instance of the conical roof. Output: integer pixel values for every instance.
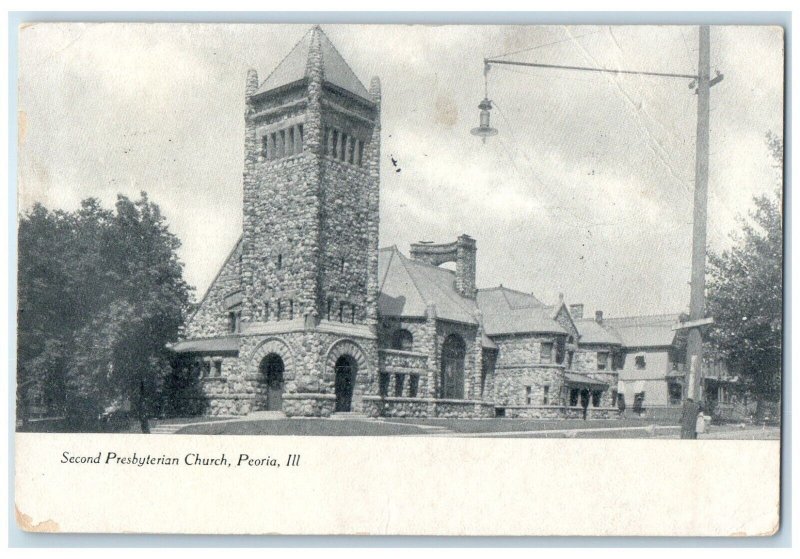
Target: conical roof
(294, 67)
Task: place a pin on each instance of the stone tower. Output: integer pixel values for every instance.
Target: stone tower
(309, 252)
(312, 148)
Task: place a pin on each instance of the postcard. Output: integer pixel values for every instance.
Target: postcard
(400, 280)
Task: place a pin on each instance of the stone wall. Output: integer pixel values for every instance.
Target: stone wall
(559, 412)
(427, 407)
(211, 317)
(520, 365)
(309, 357)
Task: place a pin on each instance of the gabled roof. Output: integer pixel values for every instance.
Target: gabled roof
(407, 286)
(294, 67)
(644, 331)
(507, 311)
(593, 333)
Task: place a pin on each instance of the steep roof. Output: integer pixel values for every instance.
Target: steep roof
(294, 67)
(593, 333)
(507, 311)
(644, 331)
(407, 286)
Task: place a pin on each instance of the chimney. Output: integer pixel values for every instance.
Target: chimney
(463, 252)
(598, 317)
(466, 256)
(576, 311)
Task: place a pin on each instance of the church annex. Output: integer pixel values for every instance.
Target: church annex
(309, 317)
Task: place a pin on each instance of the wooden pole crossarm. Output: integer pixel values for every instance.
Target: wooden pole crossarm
(590, 69)
(694, 323)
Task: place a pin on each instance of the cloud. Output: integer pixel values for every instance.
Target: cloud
(587, 189)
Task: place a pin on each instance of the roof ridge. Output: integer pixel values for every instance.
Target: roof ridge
(343, 59)
(386, 273)
(216, 277)
(278, 65)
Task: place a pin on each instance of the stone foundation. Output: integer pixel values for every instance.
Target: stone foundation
(558, 412)
(308, 405)
(376, 406)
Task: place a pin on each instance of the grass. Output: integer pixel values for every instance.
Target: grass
(511, 425)
(302, 428)
(391, 427)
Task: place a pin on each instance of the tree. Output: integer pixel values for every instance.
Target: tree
(101, 293)
(745, 296)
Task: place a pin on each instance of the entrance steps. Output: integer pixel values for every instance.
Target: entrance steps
(266, 415)
(353, 415)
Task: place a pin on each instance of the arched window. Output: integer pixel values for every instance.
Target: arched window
(453, 352)
(402, 339)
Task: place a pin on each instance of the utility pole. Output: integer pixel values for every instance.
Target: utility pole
(697, 297)
(697, 319)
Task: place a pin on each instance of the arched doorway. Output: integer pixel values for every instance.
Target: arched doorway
(345, 370)
(453, 352)
(272, 369)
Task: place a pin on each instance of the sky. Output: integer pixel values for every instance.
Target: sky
(586, 190)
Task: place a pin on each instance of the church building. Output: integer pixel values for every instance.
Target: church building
(309, 317)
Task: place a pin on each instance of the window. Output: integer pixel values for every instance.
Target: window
(341, 312)
(614, 398)
(330, 306)
(233, 321)
(290, 141)
(266, 310)
(452, 373)
(217, 369)
(413, 385)
(280, 261)
(278, 309)
(291, 309)
(596, 396)
(560, 349)
(205, 369)
(546, 394)
(574, 393)
(341, 265)
(675, 393)
(602, 360)
(528, 395)
(398, 384)
(383, 384)
(403, 340)
(342, 146)
(282, 143)
(352, 314)
(640, 362)
(546, 352)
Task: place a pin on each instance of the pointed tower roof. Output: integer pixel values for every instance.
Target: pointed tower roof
(294, 67)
